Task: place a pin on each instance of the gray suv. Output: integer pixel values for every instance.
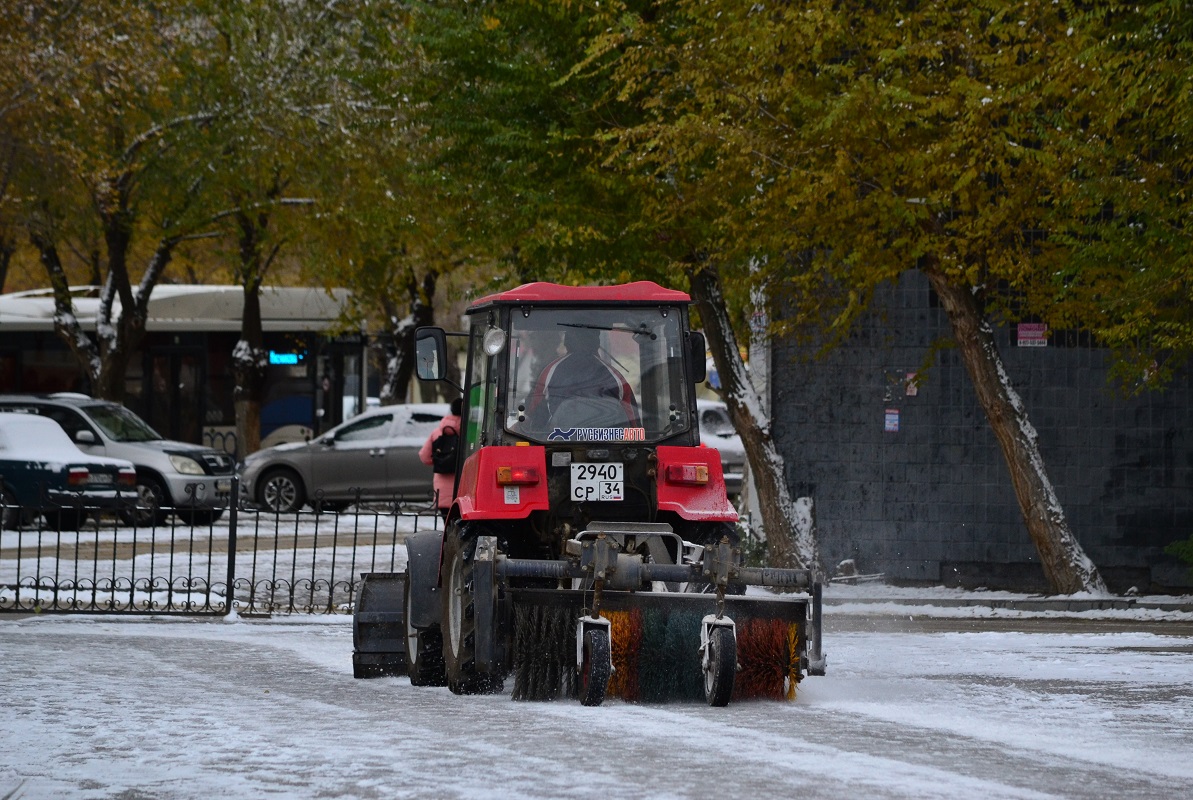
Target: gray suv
(191, 481)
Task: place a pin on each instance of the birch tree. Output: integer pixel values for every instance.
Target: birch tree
(110, 130)
(874, 140)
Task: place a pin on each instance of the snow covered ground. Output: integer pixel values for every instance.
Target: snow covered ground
(1041, 704)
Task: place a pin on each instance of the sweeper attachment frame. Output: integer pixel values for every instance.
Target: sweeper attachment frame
(590, 549)
(631, 627)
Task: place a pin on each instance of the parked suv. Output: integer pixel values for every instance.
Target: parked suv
(189, 480)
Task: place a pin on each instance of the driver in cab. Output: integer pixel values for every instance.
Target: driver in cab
(580, 389)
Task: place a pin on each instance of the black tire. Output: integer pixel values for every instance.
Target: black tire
(281, 491)
(595, 668)
(330, 506)
(722, 666)
(424, 651)
(459, 618)
(151, 496)
(66, 519)
(199, 517)
(12, 516)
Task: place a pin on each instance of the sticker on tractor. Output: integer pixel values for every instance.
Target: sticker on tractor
(598, 435)
(513, 495)
(598, 482)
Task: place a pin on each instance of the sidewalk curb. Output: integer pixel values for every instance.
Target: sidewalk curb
(1027, 604)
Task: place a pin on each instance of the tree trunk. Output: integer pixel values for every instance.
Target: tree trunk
(7, 248)
(1066, 566)
(787, 544)
(66, 324)
(104, 359)
(249, 359)
(399, 367)
(248, 373)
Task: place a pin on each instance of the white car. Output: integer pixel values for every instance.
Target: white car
(717, 431)
(43, 473)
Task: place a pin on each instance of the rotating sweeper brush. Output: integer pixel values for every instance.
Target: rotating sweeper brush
(620, 632)
(590, 549)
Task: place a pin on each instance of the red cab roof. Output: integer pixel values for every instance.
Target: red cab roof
(542, 292)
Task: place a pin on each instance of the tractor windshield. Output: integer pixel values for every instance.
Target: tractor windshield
(596, 374)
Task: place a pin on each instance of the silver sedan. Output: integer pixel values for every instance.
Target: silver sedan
(371, 457)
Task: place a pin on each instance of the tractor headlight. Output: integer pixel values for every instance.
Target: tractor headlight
(494, 341)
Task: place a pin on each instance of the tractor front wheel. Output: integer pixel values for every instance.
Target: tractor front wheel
(595, 668)
(722, 666)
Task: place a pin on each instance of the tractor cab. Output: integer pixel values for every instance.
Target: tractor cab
(586, 397)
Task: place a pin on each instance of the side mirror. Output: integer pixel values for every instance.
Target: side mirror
(696, 356)
(430, 354)
(85, 437)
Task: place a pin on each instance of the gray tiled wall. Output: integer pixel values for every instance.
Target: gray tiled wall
(932, 502)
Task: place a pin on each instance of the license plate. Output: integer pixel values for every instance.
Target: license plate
(100, 478)
(224, 485)
(598, 482)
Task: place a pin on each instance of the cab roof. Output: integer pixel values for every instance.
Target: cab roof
(542, 292)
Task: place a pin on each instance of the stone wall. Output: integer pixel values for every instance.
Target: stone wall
(908, 479)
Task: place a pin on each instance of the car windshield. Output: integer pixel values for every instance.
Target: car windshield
(596, 374)
(120, 424)
(715, 421)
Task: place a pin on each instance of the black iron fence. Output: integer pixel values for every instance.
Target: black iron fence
(246, 562)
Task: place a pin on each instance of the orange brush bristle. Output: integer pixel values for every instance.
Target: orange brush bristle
(625, 630)
(767, 658)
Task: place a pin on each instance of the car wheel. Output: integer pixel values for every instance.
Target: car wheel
(281, 491)
(66, 519)
(330, 506)
(11, 514)
(147, 510)
(199, 516)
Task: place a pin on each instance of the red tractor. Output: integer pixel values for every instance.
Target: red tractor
(590, 549)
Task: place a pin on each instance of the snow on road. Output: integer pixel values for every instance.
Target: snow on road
(100, 707)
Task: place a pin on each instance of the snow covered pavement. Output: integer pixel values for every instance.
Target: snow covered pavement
(1041, 704)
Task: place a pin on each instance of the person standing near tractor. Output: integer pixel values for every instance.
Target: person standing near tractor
(439, 452)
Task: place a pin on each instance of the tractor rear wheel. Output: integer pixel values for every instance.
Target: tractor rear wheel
(459, 617)
(424, 651)
(722, 666)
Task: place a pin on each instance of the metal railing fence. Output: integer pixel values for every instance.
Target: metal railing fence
(247, 561)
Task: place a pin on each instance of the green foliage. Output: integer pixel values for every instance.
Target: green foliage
(1124, 210)
(1038, 153)
(522, 130)
(1182, 550)
(753, 549)
(1010, 148)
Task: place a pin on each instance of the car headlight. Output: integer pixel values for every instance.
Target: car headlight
(187, 466)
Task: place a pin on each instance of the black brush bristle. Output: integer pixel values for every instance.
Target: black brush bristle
(544, 652)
